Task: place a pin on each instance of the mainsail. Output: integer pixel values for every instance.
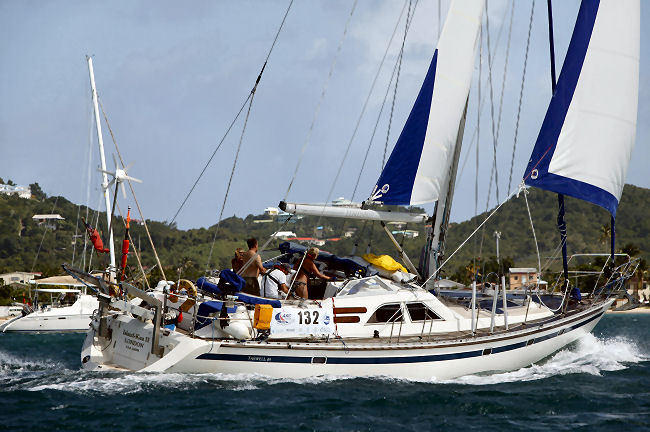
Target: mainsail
(419, 167)
(585, 142)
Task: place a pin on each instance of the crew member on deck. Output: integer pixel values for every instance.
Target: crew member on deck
(253, 270)
(275, 281)
(306, 271)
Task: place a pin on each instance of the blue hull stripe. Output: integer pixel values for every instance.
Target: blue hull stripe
(387, 360)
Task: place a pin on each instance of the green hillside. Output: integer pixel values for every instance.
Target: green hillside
(188, 250)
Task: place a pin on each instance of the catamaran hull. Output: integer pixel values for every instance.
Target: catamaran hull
(421, 360)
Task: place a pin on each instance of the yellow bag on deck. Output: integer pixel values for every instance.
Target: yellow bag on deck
(263, 316)
(385, 262)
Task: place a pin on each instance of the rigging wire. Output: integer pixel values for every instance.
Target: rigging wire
(135, 250)
(372, 87)
(494, 172)
(96, 224)
(481, 102)
(478, 134)
(399, 68)
(88, 177)
(320, 101)
(232, 174)
(234, 120)
(135, 199)
(381, 110)
(43, 237)
(87, 183)
(494, 133)
(374, 131)
(539, 263)
(409, 17)
(505, 69)
(521, 93)
(469, 237)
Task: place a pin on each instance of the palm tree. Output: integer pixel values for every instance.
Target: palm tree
(605, 233)
(633, 250)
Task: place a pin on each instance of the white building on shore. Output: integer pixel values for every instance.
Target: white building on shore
(21, 191)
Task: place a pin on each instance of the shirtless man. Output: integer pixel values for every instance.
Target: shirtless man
(253, 270)
(307, 270)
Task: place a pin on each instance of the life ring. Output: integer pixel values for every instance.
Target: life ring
(187, 285)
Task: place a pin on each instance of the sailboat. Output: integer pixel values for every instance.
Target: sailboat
(368, 322)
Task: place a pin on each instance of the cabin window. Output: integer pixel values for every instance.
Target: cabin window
(516, 277)
(419, 312)
(387, 313)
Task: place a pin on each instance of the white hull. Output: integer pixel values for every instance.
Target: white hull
(74, 318)
(416, 360)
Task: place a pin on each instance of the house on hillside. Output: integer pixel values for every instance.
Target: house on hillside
(522, 276)
(48, 220)
(271, 211)
(285, 235)
(21, 191)
(17, 277)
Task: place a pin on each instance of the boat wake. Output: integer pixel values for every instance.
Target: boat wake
(588, 355)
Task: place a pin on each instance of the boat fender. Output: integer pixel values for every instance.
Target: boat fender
(238, 330)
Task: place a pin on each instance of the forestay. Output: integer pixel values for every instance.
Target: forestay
(419, 165)
(585, 142)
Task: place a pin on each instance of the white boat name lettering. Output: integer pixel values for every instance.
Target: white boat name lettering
(259, 358)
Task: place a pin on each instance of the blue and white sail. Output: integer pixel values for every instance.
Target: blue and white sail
(585, 142)
(419, 166)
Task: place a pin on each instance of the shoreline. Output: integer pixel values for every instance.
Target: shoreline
(639, 310)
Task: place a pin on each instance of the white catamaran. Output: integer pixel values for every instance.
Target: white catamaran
(369, 323)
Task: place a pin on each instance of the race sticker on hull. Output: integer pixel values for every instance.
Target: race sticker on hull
(294, 321)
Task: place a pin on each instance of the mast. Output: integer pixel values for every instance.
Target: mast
(102, 159)
(561, 223)
(436, 242)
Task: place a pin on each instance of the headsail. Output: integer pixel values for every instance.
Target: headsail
(418, 167)
(585, 142)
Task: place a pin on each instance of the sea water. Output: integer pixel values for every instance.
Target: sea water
(601, 382)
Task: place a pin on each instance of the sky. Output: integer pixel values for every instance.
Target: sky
(172, 75)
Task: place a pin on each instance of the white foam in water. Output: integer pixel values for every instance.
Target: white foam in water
(10, 364)
(114, 383)
(589, 355)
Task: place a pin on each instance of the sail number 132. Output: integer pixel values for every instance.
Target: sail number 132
(308, 317)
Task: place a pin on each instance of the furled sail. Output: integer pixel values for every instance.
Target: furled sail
(585, 142)
(418, 167)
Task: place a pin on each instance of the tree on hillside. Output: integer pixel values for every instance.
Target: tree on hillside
(37, 192)
(631, 249)
(605, 233)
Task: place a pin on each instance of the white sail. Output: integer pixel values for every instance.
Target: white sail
(418, 167)
(585, 143)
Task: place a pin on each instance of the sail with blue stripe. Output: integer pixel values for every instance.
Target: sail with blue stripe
(584, 145)
(420, 165)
